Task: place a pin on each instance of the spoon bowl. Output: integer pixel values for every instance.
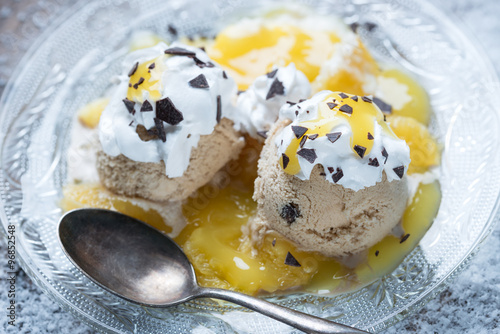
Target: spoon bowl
(142, 265)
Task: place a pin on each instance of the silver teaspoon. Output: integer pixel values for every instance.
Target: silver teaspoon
(140, 264)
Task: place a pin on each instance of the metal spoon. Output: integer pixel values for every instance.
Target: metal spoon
(140, 264)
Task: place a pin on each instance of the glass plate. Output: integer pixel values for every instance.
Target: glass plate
(71, 65)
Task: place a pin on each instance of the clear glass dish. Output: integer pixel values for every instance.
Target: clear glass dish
(71, 65)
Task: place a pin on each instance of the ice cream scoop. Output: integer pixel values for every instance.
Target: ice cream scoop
(331, 175)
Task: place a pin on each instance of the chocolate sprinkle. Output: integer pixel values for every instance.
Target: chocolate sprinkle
(275, 89)
(172, 30)
(291, 261)
(161, 129)
(296, 113)
(166, 111)
(301, 100)
(146, 106)
(343, 95)
(366, 99)
(141, 80)
(331, 105)
(377, 253)
(334, 136)
(130, 105)
(354, 98)
(152, 66)
(303, 141)
(309, 154)
(404, 238)
(346, 108)
(291, 103)
(290, 212)
(219, 109)
(262, 134)
(299, 131)
(224, 75)
(337, 176)
(385, 154)
(360, 150)
(199, 82)
(286, 160)
(373, 162)
(134, 68)
(400, 171)
(313, 136)
(385, 107)
(354, 26)
(370, 136)
(271, 74)
(177, 51)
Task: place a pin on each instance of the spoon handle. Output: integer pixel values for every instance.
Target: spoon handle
(299, 320)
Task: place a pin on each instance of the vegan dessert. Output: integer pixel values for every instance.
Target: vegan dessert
(179, 149)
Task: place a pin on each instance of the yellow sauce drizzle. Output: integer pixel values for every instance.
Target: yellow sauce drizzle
(361, 120)
(151, 83)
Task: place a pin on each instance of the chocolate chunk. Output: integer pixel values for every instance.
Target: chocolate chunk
(385, 154)
(271, 74)
(161, 129)
(299, 131)
(141, 80)
(286, 160)
(133, 69)
(177, 51)
(354, 98)
(274, 242)
(343, 95)
(219, 109)
(346, 108)
(172, 30)
(334, 136)
(131, 122)
(290, 212)
(338, 175)
(303, 141)
(384, 107)
(152, 66)
(199, 82)
(276, 88)
(166, 111)
(262, 134)
(291, 103)
(313, 136)
(404, 238)
(331, 169)
(370, 136)
(291, 261)
(360, 150)
(301, 100)
(146, 106)
(377, 253)
(373, 162)
(366, 99)
(129, 105)
(199, 63)
(146, 135)
(224, 75)
(331, 105)
(309, 154)
(400, 171)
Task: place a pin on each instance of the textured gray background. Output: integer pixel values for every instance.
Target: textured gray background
(470, 305)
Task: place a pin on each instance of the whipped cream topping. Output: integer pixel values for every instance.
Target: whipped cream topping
(173, 97)
(344, 133)
(260, 103)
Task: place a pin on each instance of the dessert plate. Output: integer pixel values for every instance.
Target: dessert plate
(71, 65)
